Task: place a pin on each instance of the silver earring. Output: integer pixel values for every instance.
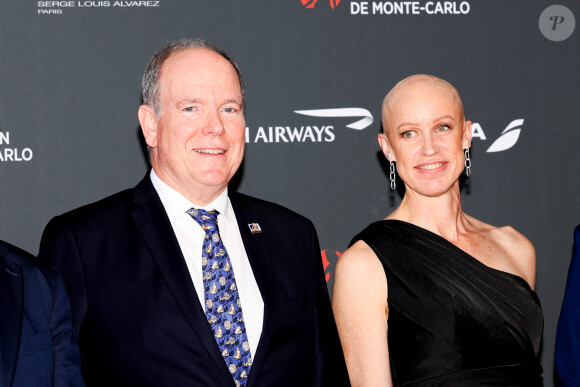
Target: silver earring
(392, 176)
(467, 161)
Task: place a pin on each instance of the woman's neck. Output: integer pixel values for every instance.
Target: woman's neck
(442, 214)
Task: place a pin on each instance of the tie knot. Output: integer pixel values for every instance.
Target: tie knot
(206, 219)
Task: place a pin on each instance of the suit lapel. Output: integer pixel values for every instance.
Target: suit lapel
(259, 254)
(151, 219)
(11, 310)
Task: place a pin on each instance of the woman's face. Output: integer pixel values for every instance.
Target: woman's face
(425, 135)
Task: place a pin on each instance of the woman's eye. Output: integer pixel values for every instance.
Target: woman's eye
(443, 128)
(408, 134)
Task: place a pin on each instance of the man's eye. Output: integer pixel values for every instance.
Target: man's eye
(408, 134)
(230, 109)
(189, 109)
(443, 128)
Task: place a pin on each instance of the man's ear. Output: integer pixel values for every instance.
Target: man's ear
(384, 144)
(148, 121)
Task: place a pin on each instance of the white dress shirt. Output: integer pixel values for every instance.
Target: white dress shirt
(190, 237)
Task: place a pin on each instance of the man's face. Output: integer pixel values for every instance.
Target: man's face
(197, 143)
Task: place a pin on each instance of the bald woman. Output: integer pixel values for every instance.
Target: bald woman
(430, 295)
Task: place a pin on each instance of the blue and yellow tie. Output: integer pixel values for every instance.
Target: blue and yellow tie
(222, 302)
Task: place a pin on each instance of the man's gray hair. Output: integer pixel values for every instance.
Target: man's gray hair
(150, 82)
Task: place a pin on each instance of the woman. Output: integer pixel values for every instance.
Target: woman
(456, 294)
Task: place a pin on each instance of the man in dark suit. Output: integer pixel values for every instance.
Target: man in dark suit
(37, 346)
(567, 354)
(152, 288)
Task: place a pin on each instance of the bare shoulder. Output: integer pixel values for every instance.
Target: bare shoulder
(519, 250)
(503, 248)
(359, 264)
(514, 241)
(359, 272)
(511, 236)
(506, 238)
(359, 254)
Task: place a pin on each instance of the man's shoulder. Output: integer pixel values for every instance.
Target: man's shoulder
(106, 216)
(109, 204)
(12, 252)
(114, 204)
(13, 255)
(115, 207)
(87, 226)
(260, 207)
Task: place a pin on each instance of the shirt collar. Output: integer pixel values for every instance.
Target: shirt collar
(176, 204)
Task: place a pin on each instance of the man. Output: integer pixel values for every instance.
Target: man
(37, 346)
(154, 295)
(567, 355)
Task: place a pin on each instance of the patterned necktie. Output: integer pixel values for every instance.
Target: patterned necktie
(222, 302)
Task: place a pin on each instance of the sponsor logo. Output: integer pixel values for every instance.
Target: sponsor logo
(366, 120)
(557, 23)
(508, 138)
(58, 7)
(9, 153)
(310, 133)
(363, 119)
(282, 134)
(312, 3)
(326, 263)
(409, 7)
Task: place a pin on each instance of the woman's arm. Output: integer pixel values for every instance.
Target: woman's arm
(359, 302)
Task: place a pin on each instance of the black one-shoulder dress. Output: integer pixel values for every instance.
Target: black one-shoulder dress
(454, 321)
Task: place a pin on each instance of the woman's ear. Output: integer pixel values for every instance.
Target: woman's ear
(384, 144)
(467, 135)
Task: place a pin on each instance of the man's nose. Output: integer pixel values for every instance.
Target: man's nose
(213, 124)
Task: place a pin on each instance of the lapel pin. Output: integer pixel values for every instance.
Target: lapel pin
(255, 228)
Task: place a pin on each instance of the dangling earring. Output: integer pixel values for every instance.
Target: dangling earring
(467, 161)
(392, 176)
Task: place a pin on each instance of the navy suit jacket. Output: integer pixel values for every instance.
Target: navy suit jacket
(135, 308)
(37, 346)
(567, 355)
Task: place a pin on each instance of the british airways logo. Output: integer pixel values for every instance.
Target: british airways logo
(358, 119)
(508, 138)
(366, 118)
(312, 133)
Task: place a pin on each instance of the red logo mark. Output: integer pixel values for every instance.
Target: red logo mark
(325, 262)
(312, 3)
